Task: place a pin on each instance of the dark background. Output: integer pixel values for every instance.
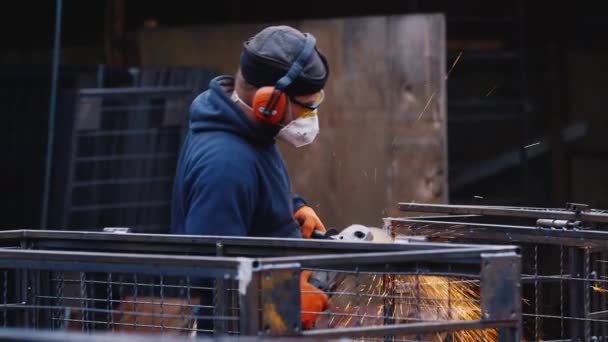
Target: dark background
(527, 71)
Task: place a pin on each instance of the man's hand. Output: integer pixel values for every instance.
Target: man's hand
(308, 220)
(313, 301)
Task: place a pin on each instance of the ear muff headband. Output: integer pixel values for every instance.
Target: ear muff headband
(269, 102)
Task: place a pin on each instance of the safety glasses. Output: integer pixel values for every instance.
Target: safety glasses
(311, 105)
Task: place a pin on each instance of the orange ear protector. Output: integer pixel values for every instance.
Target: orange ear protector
(269, 103)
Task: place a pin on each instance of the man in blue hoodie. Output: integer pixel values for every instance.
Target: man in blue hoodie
(231, 178)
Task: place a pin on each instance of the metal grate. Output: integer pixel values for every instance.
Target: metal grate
(564, 256)
(49, 290)
(124, 149)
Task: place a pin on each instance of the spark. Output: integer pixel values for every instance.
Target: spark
(491, 91)
(599, 289)
(480, 197)
(534, 144)
(427, 105)
(453, 65)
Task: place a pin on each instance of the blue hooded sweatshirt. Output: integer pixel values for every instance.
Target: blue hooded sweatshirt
(231, 178)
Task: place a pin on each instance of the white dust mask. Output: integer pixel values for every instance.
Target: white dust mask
(301, 131)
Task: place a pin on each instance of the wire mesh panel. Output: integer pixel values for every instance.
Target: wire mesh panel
(377, 299)
(564, 277)
(126, 293)
(124, 148)
(439, 295)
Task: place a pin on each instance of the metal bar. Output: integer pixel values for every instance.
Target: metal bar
(122, 157)
(561, 292)
(5, 298)
(94, 310)
(471, 255)
(249, 302)
(227, 241)
(129, 132)
(586, 294)
(52, 110)
(140, 107)
(512, 233)
(576, 290)
(409, 328)
(603, 300)
(133, 91)
(116, 262)
(537, 299)
(388, 307)
(598, 314)
(126, 205)
(24, 335)
(220, 301)
(71, 171)
(205, 245)
(120, 181)
(538, 213)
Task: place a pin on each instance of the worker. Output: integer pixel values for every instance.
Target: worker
(231, 178)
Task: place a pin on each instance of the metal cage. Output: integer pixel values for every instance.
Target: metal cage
(196, 285)
(564, 256)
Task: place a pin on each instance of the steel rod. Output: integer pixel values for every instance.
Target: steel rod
(537, 213)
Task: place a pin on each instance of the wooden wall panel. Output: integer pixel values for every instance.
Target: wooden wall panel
(383, 125)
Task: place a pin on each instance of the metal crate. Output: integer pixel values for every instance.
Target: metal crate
(248, 286)
(564, 259)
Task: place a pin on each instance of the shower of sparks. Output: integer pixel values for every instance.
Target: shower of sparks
(379, 299)
(438, 298)
(427, 105)
(453, 65)
(534, 144)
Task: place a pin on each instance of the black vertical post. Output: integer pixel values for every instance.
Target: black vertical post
(52, 109)
(576, 258)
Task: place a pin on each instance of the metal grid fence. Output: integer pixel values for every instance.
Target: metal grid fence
(247, 286)
(123, 149)
(564, 260)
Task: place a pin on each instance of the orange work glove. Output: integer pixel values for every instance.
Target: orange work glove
(313, 301)
(308, 220)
